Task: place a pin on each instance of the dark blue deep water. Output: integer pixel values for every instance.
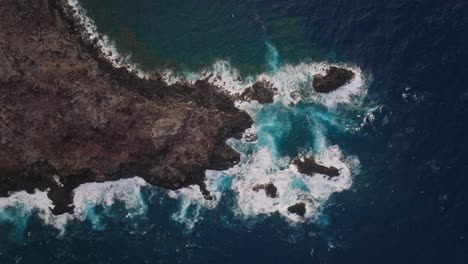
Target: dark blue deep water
(406, 124)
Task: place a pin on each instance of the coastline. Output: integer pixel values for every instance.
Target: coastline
(70, 116)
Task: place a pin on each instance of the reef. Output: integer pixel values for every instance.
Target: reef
(68, 116)
(334, 78)
(261, 91)
(308, 166)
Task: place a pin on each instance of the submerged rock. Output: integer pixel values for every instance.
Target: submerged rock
(262, 91)
(68, 116)
(270, 189)
(334, 79)
(308, 165)
(299, 209)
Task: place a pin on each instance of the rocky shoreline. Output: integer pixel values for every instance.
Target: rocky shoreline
(68, 116)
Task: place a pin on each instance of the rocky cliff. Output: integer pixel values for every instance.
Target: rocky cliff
(67, 116)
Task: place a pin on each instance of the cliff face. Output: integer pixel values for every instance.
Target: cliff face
(68, 117)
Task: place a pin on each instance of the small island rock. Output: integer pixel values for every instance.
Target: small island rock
(309, 166)
(299, 209)
(334, 79)
(270, 189)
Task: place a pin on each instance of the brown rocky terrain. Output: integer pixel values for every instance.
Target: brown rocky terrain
(67, 116)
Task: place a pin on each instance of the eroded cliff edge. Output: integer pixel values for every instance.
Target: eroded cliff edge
(67, 116)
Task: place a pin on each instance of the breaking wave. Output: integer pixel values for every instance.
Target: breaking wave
(104, 43)
(297, 123)
(19, 207)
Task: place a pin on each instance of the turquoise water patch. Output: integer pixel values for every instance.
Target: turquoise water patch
(298, 183)
(284, 129)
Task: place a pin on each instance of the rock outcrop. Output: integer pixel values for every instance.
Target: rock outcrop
(270, 189)
(299, 209)
(67, 116)
(262, 91)
(334, 79)
(308, 165)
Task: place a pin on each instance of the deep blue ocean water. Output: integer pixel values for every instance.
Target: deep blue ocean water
(400, 131)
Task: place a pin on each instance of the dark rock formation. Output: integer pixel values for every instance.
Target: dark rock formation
(299, 209)
(334, 79)
(307, 165)
(262, 91)
(270, 189)
(67, 116)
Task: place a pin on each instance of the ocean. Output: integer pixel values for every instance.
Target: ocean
(397, 133)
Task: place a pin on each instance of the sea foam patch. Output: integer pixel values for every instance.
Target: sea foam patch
(263, 158)
(294, 82)
(20, 206)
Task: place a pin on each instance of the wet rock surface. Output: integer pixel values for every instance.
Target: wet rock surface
(67, 116)
(270, 189)
(262, 91)
(334, 78)
(308, 165)
(299, 209)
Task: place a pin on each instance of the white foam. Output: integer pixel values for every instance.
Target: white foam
(20, 206)
(261, 164)
(293, 187)
(294, 82)
(127, 191)
(17, 209)
(262, 167)
(192, 203)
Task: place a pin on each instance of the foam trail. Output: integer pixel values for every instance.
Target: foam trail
(272, 57)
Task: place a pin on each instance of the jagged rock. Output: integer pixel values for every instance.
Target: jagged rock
(68, 116)
(262, 91)
(308, 165)
(270, 189)
(299, 209)
(334, 79)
